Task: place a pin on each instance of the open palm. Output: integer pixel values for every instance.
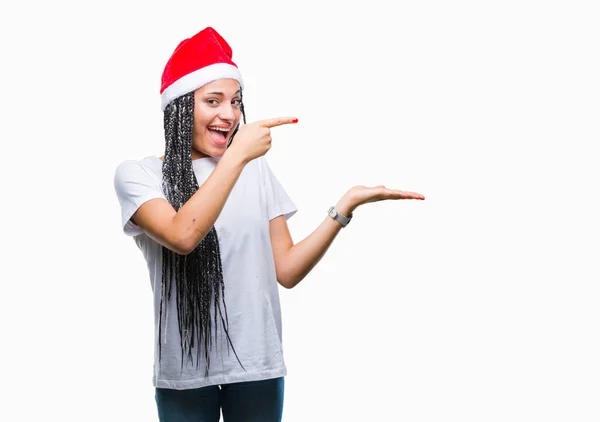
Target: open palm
(362, 194)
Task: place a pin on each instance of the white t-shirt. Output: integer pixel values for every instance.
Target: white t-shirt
(251, 288)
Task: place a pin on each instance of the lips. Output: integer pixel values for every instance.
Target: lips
(219, 135)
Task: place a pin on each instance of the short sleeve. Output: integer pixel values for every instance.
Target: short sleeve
(278, 201)
(134, 186)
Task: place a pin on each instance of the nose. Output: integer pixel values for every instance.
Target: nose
(226, 112)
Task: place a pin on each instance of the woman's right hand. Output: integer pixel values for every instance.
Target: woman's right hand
(254, 139)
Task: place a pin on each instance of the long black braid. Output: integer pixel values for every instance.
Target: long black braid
(198, 276)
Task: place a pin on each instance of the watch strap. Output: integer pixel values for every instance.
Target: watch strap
(340, 218)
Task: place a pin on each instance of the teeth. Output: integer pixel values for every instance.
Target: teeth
(220, 129)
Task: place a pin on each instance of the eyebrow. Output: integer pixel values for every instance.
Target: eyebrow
(221, 94)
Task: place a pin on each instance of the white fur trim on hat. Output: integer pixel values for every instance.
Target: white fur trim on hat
(198, 78)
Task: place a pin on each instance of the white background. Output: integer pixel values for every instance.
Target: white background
(478, 304)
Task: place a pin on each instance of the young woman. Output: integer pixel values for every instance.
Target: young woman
(210, 219)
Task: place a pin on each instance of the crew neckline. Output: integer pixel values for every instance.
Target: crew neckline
(214, 160)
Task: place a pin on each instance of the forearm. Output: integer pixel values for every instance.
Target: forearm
(301, 258)
(294, 262)
(196, 217)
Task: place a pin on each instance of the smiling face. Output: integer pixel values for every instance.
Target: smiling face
(217, 111)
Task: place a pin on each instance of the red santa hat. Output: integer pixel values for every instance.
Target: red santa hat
(196, 61)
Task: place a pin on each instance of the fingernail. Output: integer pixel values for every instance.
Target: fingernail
(295, 121)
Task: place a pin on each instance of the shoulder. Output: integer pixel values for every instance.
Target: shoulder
(133, 169)
(262, 166)
(254, 168)
(133, 175)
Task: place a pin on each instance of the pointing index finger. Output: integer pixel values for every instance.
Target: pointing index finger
(278, 121)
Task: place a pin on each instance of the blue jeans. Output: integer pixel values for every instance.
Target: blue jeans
(253, 401)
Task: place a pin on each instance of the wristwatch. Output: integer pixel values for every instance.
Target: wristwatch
(343, 220)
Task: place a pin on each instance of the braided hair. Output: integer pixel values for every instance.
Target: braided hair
(198, 276)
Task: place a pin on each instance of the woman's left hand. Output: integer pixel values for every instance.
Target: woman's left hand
(360, 195)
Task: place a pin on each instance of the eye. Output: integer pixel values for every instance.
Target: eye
(237, 102)
(212, 102)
